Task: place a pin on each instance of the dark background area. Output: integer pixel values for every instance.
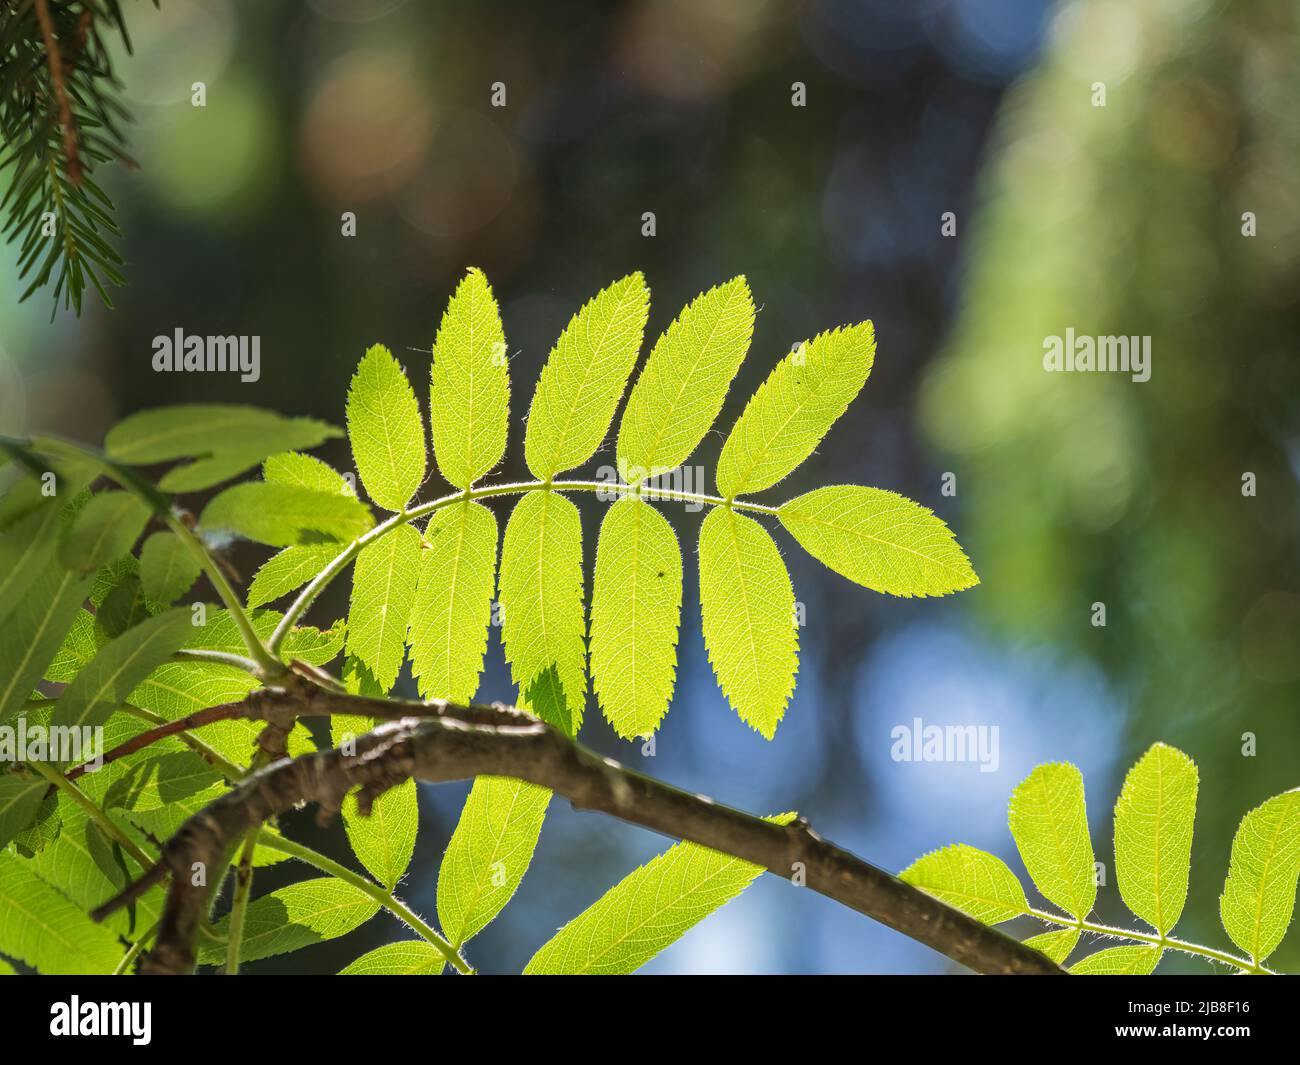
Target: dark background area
(1071, 490)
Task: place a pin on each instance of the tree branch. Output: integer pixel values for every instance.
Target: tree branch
(449, 742)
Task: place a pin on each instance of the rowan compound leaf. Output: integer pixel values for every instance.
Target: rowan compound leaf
(289, 569)
(293, 917)
(794, 408)
(104, 529)
(40, 927)
(470, 393)
(383, 589)
(636, 606)
(747, 606)
(878, 539)
(410, 957)
(972, 880)
(1153, 835)
(103, 685)
(584, 378)
(1049, 822)
(1119, 961)
(385, 430)
(543, 622)
(684, 381)
(453, 601)
(167, 567)
(1056, 944)
(20, 801)
(223, 439)
(488, 854)
(279, 514)
(1259, 895)
(647, 911)
(35, 629)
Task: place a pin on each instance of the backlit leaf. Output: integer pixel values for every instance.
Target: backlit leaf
(1259, 895)
(383, 589)
(684, 381)
(385, 430)
(224, 440)
(280, 514)
(470, 391)
(879, 539)
(541, 599)
(584, 378)
(647, 911)
(1049, 821)
(1153, 835)
(104, 529)
(794, 408)
(972, 880)
(1119, 961)
(453, 601)
(636, 605)
(748, 618)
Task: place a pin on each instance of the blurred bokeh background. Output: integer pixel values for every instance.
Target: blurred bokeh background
(1071, 489)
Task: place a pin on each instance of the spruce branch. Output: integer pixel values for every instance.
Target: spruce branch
(61, 118)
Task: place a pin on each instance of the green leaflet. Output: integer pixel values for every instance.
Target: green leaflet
(224, 439)
(167, 568)
(647, 911)
(104, 529)
(383, 589)
(120, 666)
(453, 601)
(794, 408)
(584, 378)
(305, 471)
(293, 917)
(1153, 835)
(972, 880)
(1119, 961)
(541, 599)
(385, 429)
(289, 569)
(80, 645)
(470, 384)
(385, 841)
(42, 928)
(636, 604)
(488, 853)
(1049, 821)
(1056, 945)
(747, 606)
(411, 957)
(1259, 894)
(684, 381)
(281, 514)
(26, 547)
(87, 867)
(20, 800)
(35, 630)
(879, 539)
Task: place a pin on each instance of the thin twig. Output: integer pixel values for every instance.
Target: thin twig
(462, 742)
